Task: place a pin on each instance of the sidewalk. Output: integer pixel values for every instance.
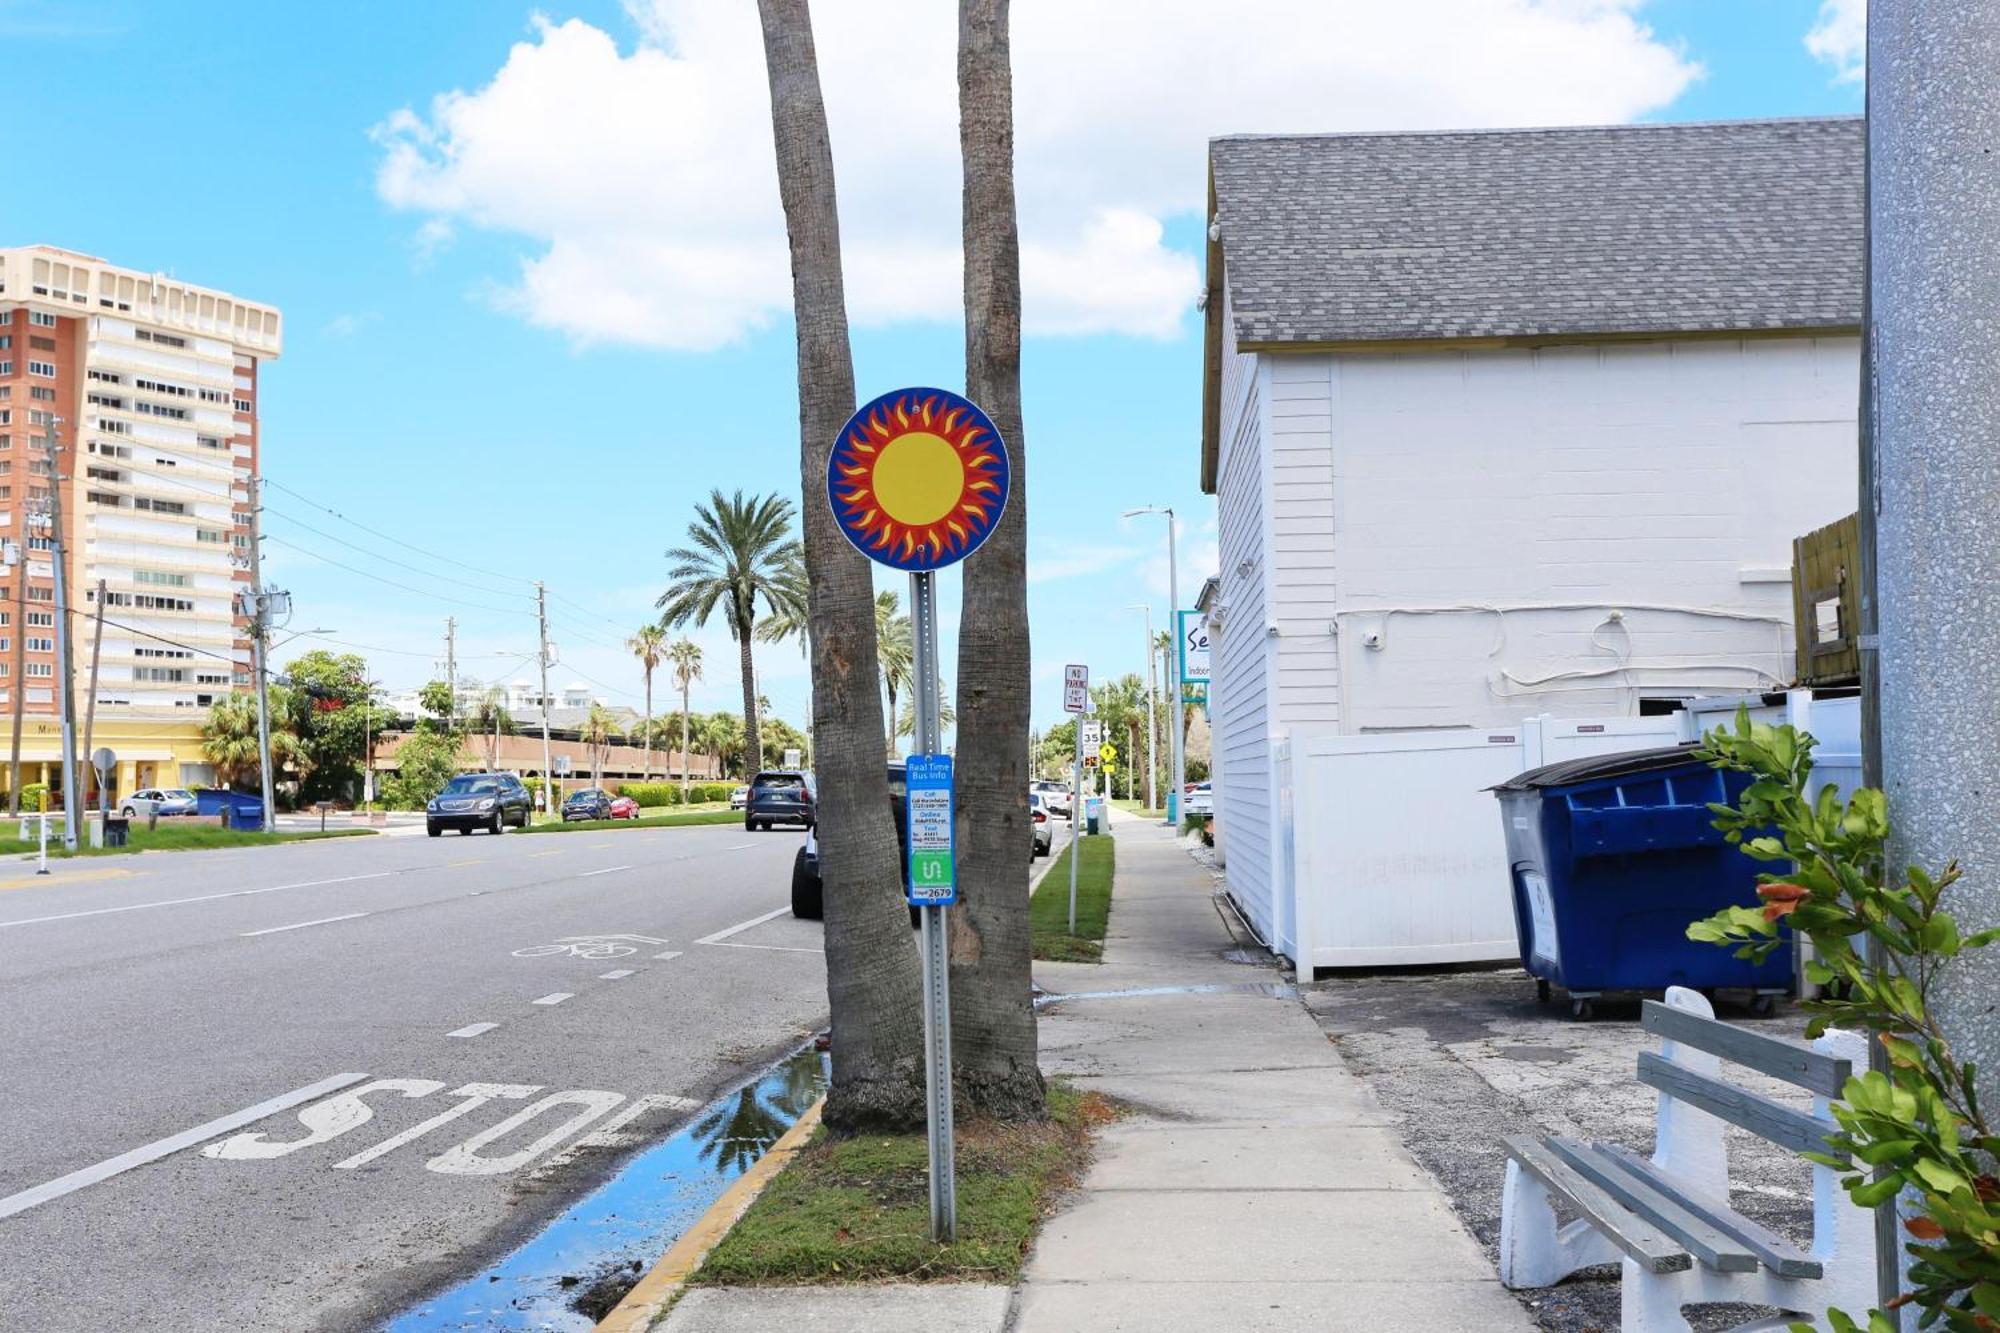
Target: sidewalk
(1255, 1185)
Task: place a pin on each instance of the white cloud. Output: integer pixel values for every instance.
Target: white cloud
(642, 177)
(1050, 562)
(1839, 37)
(350, 322)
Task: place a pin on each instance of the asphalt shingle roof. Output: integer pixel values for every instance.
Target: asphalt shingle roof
(1751, 225)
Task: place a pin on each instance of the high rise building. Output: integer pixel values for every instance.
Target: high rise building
(149, 386)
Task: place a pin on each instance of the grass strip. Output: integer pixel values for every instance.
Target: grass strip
(169, 837)
(1048, 910)
(858, 1209)
(650, 821)
(1139, 808)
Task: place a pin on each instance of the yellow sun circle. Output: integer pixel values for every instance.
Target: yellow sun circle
(918, 478)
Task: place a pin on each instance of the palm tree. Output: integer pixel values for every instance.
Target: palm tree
(685, 654)
(493, 720)
(722, 739)
(895, 650)
(872, 983)
(791, 613)
(229, 740)
(995, 1060)
(739, 548)
(596, 732)
(906, 721)
(647, 645)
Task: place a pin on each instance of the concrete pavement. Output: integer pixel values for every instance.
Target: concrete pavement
(1255, 1185)
(297, 1087)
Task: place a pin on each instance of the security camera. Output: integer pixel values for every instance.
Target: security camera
(1372, 639)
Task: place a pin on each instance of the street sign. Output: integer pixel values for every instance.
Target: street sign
(933, 874)
(562, 765)
(917, 479)
(1076, 688)
(1192, 631)
(103, 759)
(1093, 738)
(792, 758)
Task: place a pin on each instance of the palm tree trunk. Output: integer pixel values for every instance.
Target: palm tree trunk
(872, 980)
(753, 746)
(993, 1018)
(684, 740)
(890, 686)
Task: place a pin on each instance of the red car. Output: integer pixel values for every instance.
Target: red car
(624, 807)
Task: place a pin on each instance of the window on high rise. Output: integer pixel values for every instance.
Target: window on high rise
(46, 369)
(40, 320)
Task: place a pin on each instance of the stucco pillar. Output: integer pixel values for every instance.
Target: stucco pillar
(1934, 146)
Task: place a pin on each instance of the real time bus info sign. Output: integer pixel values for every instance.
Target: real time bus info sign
(933, 871)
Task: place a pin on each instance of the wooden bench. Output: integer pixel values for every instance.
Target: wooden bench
(1667, 1218)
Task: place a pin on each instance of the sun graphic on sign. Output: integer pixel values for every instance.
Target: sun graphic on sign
(918, 478)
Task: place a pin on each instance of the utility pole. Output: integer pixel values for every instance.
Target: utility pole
(451, 670)
(542, 629)
(65, 654)
(90, 701)
(260, 632)
(1933, 229)
(1175, 709)
(10, 557)
(1152, 727)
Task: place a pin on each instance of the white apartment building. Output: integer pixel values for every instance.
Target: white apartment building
(149, 386)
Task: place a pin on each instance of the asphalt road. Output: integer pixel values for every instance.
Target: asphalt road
(270, 1088)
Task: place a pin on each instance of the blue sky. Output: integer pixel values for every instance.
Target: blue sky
(430, 390)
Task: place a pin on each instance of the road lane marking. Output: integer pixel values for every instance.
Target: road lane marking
(472, 1029)
(301, 925)
(742, 926)
(666, 957)
(618, 974)
(536, 856)
(473, 861)
(476, 1095)
(737, 847)
(556, 997)
(773, 948)
(608, 870)
(202, 898)
(342, 1113)
(173, 1143)
(465, 1159)
(45, 881)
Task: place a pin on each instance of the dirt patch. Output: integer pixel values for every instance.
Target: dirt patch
(596, 1294)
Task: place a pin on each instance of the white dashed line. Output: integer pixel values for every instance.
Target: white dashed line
(473, 1029)
(667, 957)
(608, 870)
(301, 925)
(557, 998)
(152, 1152)
(618, 975)
(742, 926)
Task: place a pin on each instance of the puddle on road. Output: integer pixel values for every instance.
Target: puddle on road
(606, 1241)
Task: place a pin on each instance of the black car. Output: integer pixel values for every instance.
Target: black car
(590, 803)
(479, 800)
(809, 894)
(779, 796)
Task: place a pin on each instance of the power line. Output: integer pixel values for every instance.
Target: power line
(580, 607)
(406, 587)
(429, 555)
(392, 563)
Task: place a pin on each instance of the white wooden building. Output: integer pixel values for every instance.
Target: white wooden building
(1504, 425)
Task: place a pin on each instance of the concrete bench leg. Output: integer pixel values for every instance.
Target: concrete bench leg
(1534, 1251)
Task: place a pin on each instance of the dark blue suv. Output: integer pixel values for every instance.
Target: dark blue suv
(779, 796)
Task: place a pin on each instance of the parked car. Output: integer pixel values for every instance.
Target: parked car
(162, 801)
(479, 800)
(1056, 796)
(809, 894)
(739, 798)
(1045, 833)
(587, 803)
(624, 807)
(779, 796)
(1200, 799)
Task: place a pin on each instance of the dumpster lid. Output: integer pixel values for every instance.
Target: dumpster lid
(1601, 766)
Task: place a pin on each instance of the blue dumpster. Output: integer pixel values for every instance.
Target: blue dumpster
(239, 810)
(1613, 857)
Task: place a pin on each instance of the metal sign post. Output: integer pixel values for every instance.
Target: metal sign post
(1076, 699)
(916, 481)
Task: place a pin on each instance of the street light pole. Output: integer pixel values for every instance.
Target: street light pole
(1174, 705)
(1152, 727)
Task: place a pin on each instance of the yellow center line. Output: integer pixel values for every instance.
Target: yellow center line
(535, 856)
(475, 861)
(51, 879)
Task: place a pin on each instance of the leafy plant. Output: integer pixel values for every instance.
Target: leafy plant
(1920, 1124)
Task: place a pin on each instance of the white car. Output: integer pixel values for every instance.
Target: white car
(739, 798)
(158, 801)
(1200, 800)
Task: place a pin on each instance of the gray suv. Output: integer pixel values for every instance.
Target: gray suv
(479, 800)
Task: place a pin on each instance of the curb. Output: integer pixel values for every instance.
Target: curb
(657, 1289)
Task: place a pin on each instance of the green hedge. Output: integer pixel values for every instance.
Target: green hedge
(650, 795)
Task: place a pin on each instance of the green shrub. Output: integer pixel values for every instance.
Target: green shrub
(35, 796)
(711, 791)
(651, 794)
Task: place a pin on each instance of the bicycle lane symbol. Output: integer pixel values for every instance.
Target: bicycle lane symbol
(594, 947)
